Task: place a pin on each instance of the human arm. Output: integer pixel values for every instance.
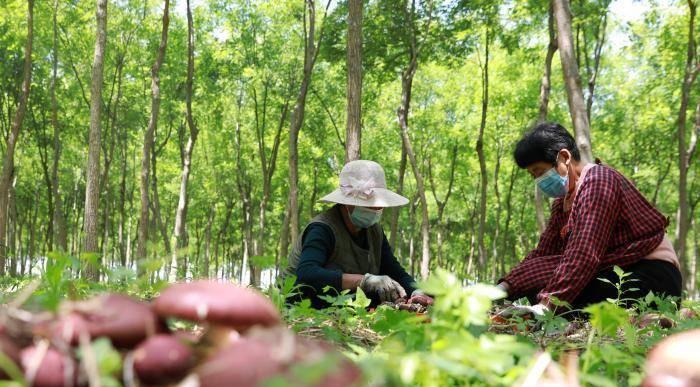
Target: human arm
(318, 243)
(522, 278)
(591, 223)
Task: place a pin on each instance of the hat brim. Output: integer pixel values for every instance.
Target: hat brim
(381, 198)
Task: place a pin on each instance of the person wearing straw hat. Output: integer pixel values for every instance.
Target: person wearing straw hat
(345, 247)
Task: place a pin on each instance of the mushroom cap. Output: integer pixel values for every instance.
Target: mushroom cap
(124, 320)
(243, 363)
(51, 368)
(216, 303)
(675, 357)
(162, 359)
(277, 353)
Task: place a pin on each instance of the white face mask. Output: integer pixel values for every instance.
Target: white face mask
(364, 217)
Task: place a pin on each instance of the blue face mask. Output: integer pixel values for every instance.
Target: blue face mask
(553, 184)
(364, 217)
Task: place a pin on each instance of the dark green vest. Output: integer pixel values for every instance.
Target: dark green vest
(347, 256)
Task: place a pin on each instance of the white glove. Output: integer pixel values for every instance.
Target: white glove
(524, 311)
(386, 288)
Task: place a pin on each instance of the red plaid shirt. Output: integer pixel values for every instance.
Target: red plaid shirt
(610, 223)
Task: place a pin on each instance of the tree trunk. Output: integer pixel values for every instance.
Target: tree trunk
(311, 50)
(395, 212)
(156, 199)
(441, 204)
(207, 243)
(686, 153)
(59, 220)
(546, 85)
(482, 157)
(353, 133)
(179, 234)
(545, 88)
(8, 164)
(269, 171)
(593, 73)
(572, 80)
(13, 223)
(148, 137)
(283, 245)
(93, 168)
(406, 89)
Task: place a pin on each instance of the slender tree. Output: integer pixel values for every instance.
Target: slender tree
(311, 50)
(59, 220)
(481, 155)
(686, 153)
(8, 164)
(148, 137)
(407, 75)
(353, 132)
(572, 79)
(179, 234)
(545, 88)
(92, 190)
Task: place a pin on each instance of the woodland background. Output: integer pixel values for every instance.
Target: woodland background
(175, 140)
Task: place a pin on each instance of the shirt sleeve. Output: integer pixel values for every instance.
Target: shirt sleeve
(390, 266)
(317, 246)
(591, 223)
(522, 278)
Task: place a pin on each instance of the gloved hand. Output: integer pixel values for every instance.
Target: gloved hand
(383, 286)
(524, 311)
(418, 297)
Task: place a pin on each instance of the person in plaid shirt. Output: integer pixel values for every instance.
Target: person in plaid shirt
(598, 220)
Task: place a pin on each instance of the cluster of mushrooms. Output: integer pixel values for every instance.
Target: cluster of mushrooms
(240, 341)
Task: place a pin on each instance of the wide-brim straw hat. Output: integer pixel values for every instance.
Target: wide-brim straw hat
(362, 183)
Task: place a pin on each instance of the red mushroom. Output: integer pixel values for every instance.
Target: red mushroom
(277, 353)
(47, 367)
(162, 359)
(677, 359)
(125, 321)
(216, 303)
(242, 363)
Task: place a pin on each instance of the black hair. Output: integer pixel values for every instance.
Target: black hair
(543, 143)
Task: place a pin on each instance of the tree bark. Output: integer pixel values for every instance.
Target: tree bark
(393, 237)
(593, 73)
(546, 84)
(402, 112)
(545, 88)
(441, 204)
(244, 184)
(572, 80)
(156, 198)
(92, 187)
(148, 137)
(59, 220)
(686, 153)
(311, 50)
(353, 133)
(179, 234)
(482, 157)
(8, 164)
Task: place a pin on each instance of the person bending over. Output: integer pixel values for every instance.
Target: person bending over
(598, 220)
(345, 247)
